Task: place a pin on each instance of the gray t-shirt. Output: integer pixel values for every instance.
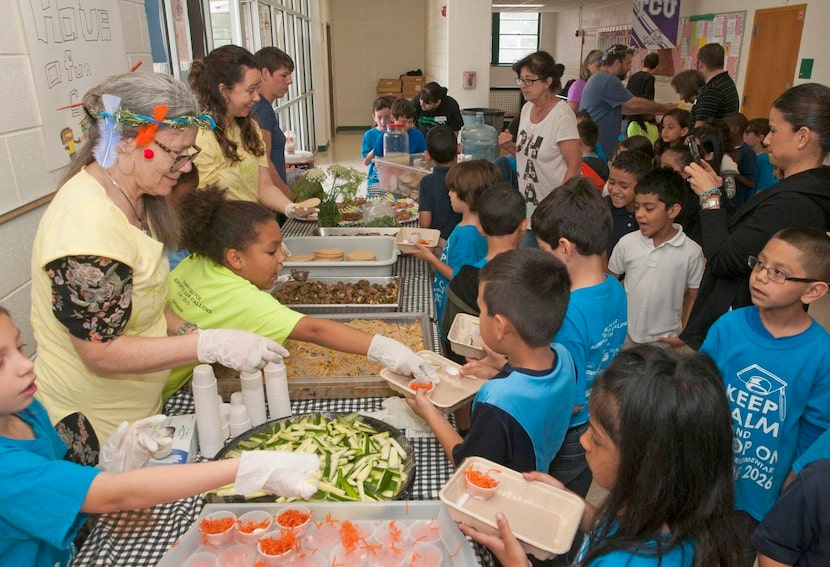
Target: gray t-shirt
(603, 98)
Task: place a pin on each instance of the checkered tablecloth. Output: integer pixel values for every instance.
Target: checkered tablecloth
(140, 537)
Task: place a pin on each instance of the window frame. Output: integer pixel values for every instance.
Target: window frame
(496, 37)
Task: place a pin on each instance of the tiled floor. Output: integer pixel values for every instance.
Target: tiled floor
(345, 150)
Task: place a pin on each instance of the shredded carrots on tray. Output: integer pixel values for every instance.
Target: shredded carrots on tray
(481, 479)
(426, 387)
(394, 532)
(211, 527)
(250, 527)
(349, 536)
(273, 546)
(292, 518)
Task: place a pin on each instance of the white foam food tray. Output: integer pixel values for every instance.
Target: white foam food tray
(465, 336)
(543, 518)
(449, 394)
(408, 238)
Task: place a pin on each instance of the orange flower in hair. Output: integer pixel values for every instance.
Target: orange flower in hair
(147, 132)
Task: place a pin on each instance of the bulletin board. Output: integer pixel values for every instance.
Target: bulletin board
(726, 28)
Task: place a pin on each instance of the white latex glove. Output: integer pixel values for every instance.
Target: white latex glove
(132, 445)
(281, 472)
(240, 350)
(400, 359)
(292, 211)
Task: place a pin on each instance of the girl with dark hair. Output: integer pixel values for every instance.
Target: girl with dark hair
(660, 441)
(687, 85)
(798, 143)
(233, 155)
(434, 107)
(547, 146)
(675, 126)
(236, 254)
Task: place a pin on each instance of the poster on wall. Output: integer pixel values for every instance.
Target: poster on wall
(655, 24)
(73, 46)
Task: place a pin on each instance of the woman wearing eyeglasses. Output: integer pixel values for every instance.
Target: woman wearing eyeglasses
(105, 340)
(547, 146)
(233, 154)
(798, 143)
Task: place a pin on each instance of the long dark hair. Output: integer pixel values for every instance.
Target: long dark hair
(226, 65)
(808, 105)
(433, 92)
(213, 224)
(668, 416)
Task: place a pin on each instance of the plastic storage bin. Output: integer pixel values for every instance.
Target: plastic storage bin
(403, 180)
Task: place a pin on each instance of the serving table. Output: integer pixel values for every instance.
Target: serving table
(141, 537)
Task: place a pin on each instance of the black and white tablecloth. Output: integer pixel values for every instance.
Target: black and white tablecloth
(141, 537)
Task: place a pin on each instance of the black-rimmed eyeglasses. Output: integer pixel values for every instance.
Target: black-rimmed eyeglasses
(179, 159)
(527, 82)
(774, 274)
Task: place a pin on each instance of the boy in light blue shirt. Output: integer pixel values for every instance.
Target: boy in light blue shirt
(382, 115)
(775, 363)
(403, 112)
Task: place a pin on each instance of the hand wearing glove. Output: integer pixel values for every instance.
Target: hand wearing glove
(281, 472)
(400, 359)
(240, 350)
(132, 445)
(292, 211)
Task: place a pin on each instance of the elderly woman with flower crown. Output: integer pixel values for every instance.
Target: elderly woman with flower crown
(233, 154)
(106, 341)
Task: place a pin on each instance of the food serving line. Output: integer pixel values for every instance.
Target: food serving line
(141, 537)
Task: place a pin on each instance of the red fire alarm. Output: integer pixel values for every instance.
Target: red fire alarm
(444, 10)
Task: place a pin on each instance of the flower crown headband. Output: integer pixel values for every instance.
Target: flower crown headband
(112, 119)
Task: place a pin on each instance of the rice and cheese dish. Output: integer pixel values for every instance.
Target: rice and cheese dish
(310, 360)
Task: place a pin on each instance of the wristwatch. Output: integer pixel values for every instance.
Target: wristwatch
(713, 203)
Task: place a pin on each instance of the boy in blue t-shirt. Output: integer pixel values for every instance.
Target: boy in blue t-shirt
(775, 362)
(382, 115)
(465, 245)
(403, 112)
(434, 208)
(520, 416)
(756, 130)
(573, 224)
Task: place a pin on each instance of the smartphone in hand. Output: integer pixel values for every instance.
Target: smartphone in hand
(693, 148)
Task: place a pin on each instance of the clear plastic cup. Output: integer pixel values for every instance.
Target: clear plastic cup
(426, 531)
(425, 555)
(253, 525)
(342, 558)
(211, 535)
(201, 559)
(274, 558)
(389, 533)
(300, 529)
(237, 556)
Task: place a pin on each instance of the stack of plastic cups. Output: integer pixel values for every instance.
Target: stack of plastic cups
(225, 415)
(276, 389)
(239, 421)
(254, 396)
(208, 420)
(236, 399)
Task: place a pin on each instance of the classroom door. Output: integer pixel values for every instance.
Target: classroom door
(773, 54)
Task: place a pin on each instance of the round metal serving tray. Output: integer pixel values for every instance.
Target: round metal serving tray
(378, 425)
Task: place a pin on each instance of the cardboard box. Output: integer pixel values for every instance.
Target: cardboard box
(389, 86)
(185, 443)
(415, 83)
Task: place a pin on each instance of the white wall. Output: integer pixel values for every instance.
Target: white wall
(436, 43)
(469, 50)
(22, 162)
(369, 43)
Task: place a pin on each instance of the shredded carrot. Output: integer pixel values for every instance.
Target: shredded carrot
(458, 550)
(418, 386)
(259, 564)
(272, 546)
(394, 532)
(329, 520)
(292, 518)
(250, 527)
(423, 242)
(174, 544)
(372, 547)
(480, 479)
(407, 505)
(349, 536)
(211, 527)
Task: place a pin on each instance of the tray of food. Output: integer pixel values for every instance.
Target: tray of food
(544, 518)
(341, 255)
(400, 210)
(341, 295)
(362, 459)
(419, 533)
(449, 392)
(391, 231)
(408, 239)
(318, 372)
